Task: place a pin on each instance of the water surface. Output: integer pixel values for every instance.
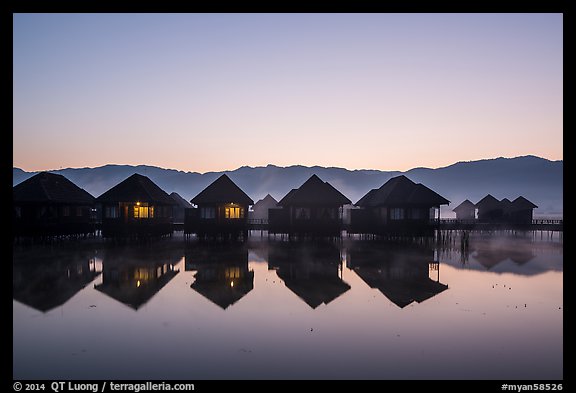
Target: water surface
(271, 309)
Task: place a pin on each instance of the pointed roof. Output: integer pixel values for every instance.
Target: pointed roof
(315, 290)
(133, 295)
(314, 192)
(466, 205)
(488, 202)
(400, 190)
(522, 203)
(220, 292)
(222, 190)
(136, 188)
(180, 201)
(267, 200)
(50, 187)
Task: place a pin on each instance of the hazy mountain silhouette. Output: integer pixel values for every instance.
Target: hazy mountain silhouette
(538, 179)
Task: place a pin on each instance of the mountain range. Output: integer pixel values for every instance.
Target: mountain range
(537, 179)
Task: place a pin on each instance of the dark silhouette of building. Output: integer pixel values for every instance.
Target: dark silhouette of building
(222, 274)
(404, 273)
(133, 276)
(313, 209)
(313, 271)
(222, 211)
(465, 211)
(521, 211)
(178, 210)
(136, 207)
(399, 206)
(489, 209)
(48, 278)
(51, 205)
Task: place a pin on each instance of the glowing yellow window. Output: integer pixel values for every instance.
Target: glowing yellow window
(142, 211)
(234, 212)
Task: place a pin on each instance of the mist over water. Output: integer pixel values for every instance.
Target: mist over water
(273, 309)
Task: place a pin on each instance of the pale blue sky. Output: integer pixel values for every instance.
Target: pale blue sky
(207, 92)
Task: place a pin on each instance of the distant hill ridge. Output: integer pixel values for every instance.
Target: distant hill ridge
(538, 179)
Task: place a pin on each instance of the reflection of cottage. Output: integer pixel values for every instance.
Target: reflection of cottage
(47, 280)
(398, 206)
(133, 277)
(465, 211)
(50, 205)
(312, 271)
(222, 210)
(222, 274)
(259, 211)
(179, 208)
(315, 208)
(136, 206)
(403, 273)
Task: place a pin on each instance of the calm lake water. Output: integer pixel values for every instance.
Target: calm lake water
(271, 309)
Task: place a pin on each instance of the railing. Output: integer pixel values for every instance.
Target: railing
(257, 221)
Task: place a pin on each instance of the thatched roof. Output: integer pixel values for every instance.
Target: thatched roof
(222, 190)
(401, 191)
(50, 187)
(314, 192)
(136, 188)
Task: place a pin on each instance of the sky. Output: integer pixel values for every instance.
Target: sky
(213, 92)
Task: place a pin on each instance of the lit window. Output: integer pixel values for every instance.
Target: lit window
(233, 212)
(143, 211)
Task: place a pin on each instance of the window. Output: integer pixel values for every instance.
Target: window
(78, 212)
(302, 213)
(207, 213)
(396, 213)
(18, 211)
(66, 211)
(233, 212)
(232, 272)
(143, 211)
(111, 212)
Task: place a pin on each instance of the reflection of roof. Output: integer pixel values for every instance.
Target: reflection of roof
(45, 287)
(181, 202)
(311, 271)
(136, 188)
(314, 192)
(316, 289)
(400, 190)
(401, 291)
(222, 190)
(133, 295)
(50, 187)
(220, 292)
